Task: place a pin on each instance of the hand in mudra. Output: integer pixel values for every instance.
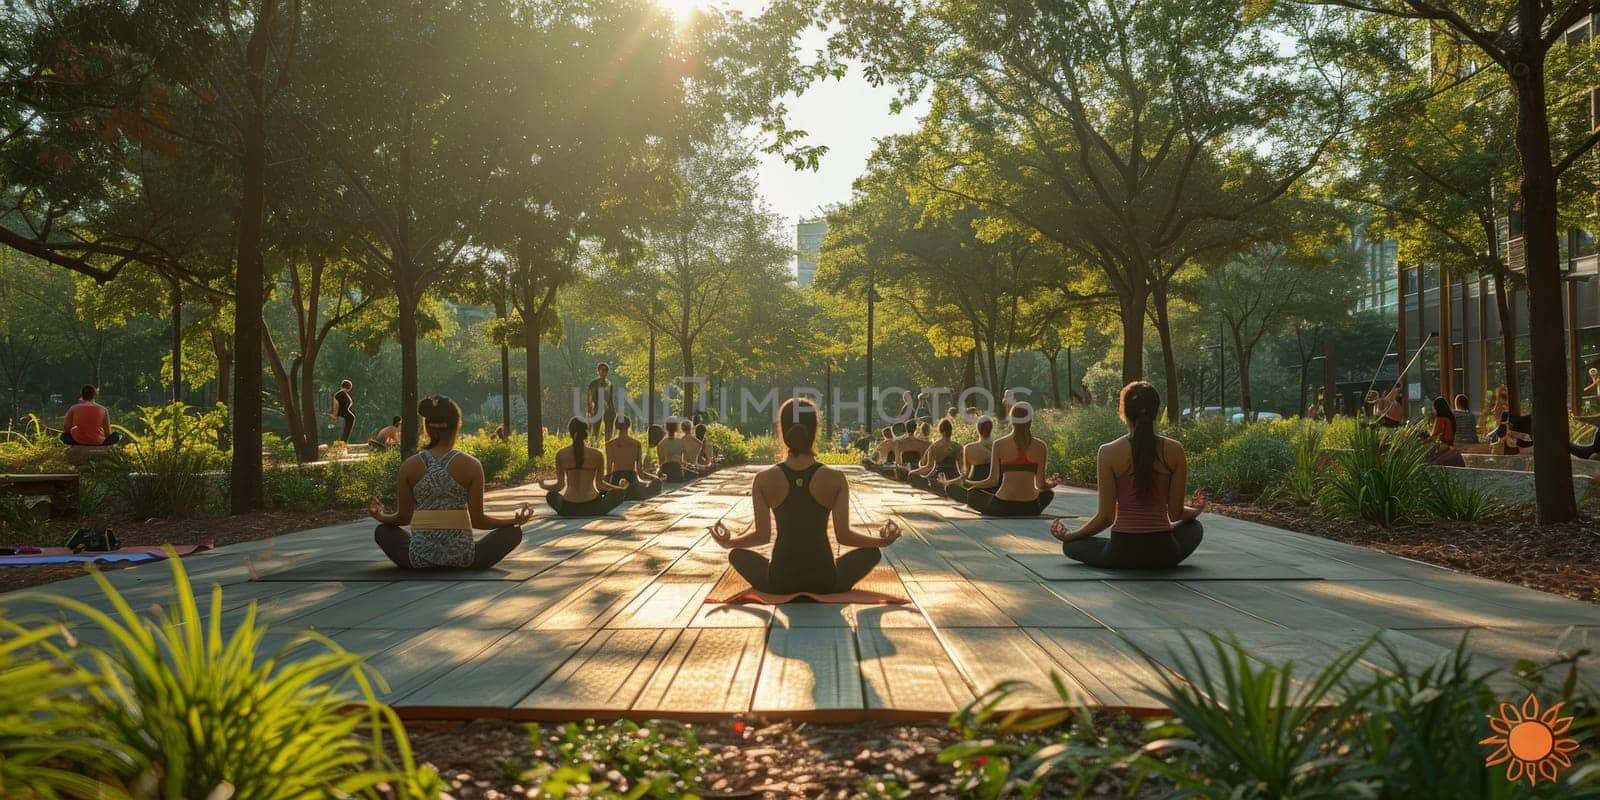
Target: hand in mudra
(890, 533)
(1059, 530)
(524, 513)
(720, 534)
(375, 507)
(1053, 481)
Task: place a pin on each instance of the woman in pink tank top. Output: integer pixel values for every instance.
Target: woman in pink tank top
(1141, 480)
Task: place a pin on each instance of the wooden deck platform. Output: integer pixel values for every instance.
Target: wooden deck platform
(606, 617)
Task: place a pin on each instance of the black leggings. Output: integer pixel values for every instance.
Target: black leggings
(984, 502)
(395, 542)
(674, 472)
(589, 508)
(930, 482)
(1138, 550)
(638, 489)
(112, 438)
(838, 576)
(349, 422)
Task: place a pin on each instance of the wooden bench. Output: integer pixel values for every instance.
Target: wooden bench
(61, 489)
(80, 454)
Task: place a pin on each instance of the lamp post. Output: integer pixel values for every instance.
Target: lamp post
(655, 313)
(872, 299)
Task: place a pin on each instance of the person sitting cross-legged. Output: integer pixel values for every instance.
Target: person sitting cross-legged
(439, 495)
(578, 489)
(802, 494)
(939, 460)
(1141, 481)
(88, 424)
(1016, 485)
(625, 456)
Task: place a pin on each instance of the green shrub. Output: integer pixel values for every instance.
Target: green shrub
(32, 449)
(297, 487)
(192, 712)
(728, 443)
(1005, 753)
(1244, 466)
(1382, 477)
(1074, 437)
(1448, 499)
(1204, 434)
(51, 744)
(22, 522)
(502, 460)
(762, 449)
(1301, 483)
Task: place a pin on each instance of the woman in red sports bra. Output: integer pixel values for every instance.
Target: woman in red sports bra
(1142, 481)
(1016, 485)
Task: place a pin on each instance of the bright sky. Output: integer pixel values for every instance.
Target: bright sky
(846, 116)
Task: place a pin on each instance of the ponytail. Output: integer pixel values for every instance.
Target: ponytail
(441, 418)
(579, 431)
(945, 428)
(1140, 404)
(985, 426)
(1021, 415)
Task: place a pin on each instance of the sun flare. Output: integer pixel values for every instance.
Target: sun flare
(1529, 743)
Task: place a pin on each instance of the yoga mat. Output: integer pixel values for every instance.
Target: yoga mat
(881, 586)
(126, 555)
(382, 570)
(1056, 567)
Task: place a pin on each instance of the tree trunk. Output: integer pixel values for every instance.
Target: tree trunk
(1552, 466)
(532, 333)
(249, 293)
(1305, 371)
(686, 350)
(310, 412)
(1132, 304)
(1169, 359)
(177, 341)
(1055, 377)
(410, 396)
(505, 369)
(1241, 353)
(1508, 343)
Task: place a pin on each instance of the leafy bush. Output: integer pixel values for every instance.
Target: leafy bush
(502, 460)
(1448, 499)
(32, 449)
(191, 712)
(1204, 434)
(1244, 466)
(21, 522)
(50, 743)
(728, 443)
(618, 759)
(1301, 484)
(1381, 478)
(1074, 437)
(762, 449)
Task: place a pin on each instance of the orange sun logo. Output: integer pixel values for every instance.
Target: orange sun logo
(1530, 741)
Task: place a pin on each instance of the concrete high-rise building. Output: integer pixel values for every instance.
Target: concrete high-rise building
(808, 241)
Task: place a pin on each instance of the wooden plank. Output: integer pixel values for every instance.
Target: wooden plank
(732, 615)
(518, 605)
(956, 604)
(1262, 600)
(593, 604)
(425, 655)
(459, 602)
(606, 674)
(1187, 608)
(989, 657)
(1029, 604)
(1101, 668)
(663, 605)
(369, 605)
(890, 616)
(707, 671)
(908, 670)
(502, 674)
(918, 561)
(809, 669)
(813, 615)
(1402, 605)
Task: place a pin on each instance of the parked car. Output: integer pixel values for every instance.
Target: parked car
(1261, 416)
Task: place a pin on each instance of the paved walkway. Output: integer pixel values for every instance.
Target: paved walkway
(606, 617)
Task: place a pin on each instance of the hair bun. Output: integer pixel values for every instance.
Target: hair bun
(427, 406)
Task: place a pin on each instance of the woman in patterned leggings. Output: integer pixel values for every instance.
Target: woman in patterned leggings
(440, 496)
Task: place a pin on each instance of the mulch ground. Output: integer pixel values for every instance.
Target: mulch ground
(1511, 547)
(491, 759)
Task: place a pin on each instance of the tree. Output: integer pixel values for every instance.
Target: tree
(1517, 38)
(1130, 135)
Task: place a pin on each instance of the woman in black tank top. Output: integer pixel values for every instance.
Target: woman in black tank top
(802, 556)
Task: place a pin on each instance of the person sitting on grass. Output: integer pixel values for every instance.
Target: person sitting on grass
(88, 424)
(578, 489)
(1141, 479)
(626, 457)
(388, 436)
(801, 493)
(939, 460)
(439, 494)
(1016, 485)
(974, 461)
(1443, 436)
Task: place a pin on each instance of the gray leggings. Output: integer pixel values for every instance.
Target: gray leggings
(486, 552)
(1138, 550)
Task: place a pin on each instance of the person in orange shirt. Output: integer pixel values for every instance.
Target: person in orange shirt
(88, 423)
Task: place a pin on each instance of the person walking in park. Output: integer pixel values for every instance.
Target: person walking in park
(801, 494)
(88, 424)
(439, 494)
(601, 403)
(1141, 480)
(578, 489)
(344, 408)
(1016, 485)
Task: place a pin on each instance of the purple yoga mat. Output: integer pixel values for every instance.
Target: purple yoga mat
(126, 555)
